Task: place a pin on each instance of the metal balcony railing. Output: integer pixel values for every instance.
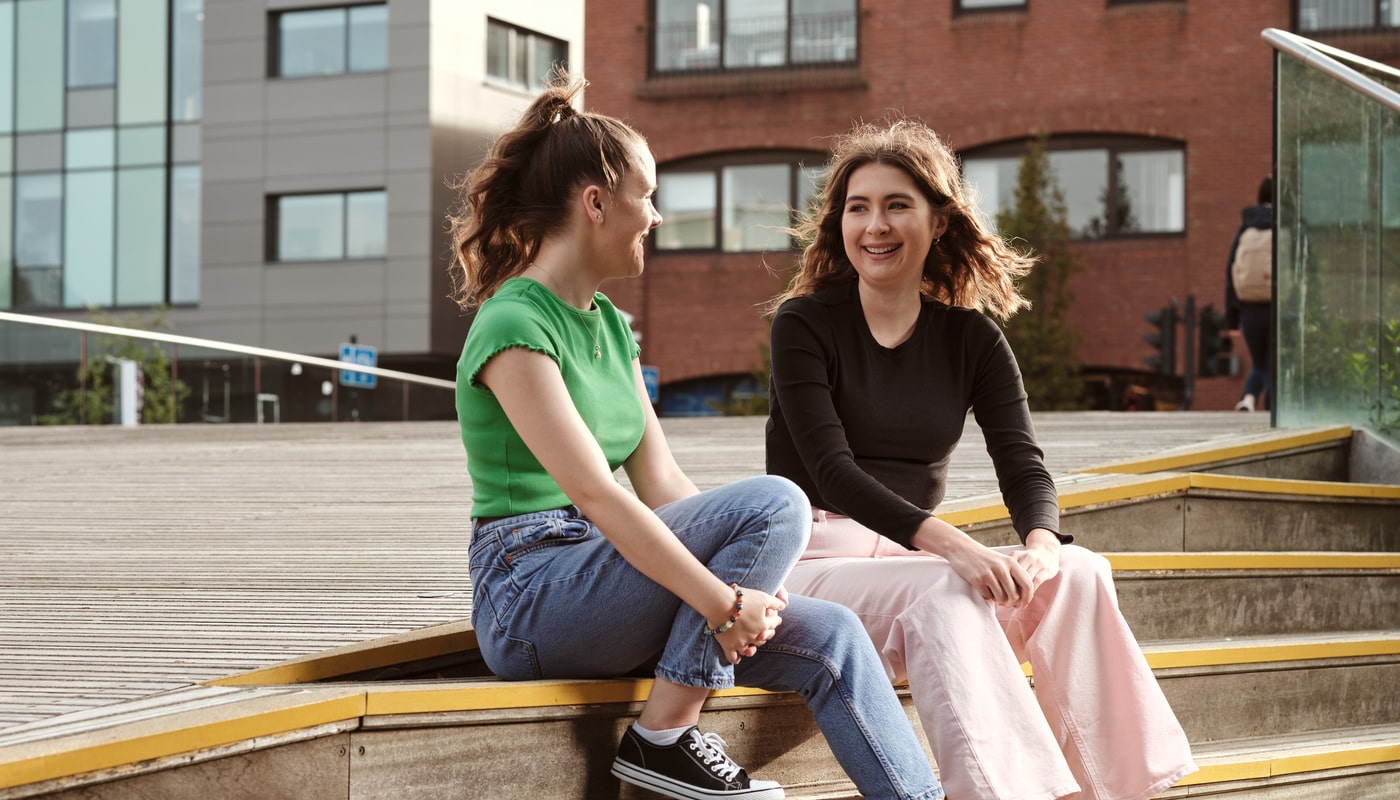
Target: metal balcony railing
(755, 43)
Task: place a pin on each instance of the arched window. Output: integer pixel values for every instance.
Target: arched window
(1113, 186)
(739, 202)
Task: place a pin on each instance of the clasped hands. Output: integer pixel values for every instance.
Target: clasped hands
(755, 625)
(1009, 579)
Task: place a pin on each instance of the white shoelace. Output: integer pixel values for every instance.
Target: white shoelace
(711, 746)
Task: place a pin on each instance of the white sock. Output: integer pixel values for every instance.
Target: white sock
(661, 738)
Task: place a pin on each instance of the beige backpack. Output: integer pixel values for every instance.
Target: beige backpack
(1253, 270)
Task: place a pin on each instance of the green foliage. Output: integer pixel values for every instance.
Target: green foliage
(1042, 337)
(756, 404)
(162, 396)
(1376, 377)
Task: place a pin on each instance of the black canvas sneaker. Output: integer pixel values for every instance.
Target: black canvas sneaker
(694, 768)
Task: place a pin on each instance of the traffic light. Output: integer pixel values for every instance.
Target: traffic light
(1165, 320)
(1215, 344)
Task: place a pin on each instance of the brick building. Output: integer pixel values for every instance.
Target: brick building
(1167, 101)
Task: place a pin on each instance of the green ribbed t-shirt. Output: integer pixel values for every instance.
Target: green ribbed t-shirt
(507, 479)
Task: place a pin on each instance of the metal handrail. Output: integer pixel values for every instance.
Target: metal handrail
(1327, 60)
(262, 352)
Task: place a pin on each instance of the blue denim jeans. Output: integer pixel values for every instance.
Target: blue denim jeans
(552, 598)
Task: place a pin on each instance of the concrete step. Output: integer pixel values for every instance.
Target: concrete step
(554, 739)
(1279, 684)
(1201, 512)
(1251, 594)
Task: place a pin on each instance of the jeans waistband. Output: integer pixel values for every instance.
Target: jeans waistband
(570, 511)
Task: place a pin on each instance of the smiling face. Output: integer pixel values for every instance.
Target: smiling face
(629, 215)
(888, 226)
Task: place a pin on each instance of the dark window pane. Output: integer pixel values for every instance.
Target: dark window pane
(546, 56)
(993, 181)
(756, 207)
(38, 221)
(686, 202)
(366, 221)
(187, 76)
(498, 38)
(1154, 192)
(92, 43)
(369, 38)
(755, 34)
(1322, 15)
(89, 206)
(184, 233)
(311, 42)
(823, 31)
(311, 227)
(687, 34)
(1083, 178)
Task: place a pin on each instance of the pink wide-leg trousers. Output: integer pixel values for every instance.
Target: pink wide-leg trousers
(1096, 722)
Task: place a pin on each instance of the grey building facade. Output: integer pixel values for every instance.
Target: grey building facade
(277, 172)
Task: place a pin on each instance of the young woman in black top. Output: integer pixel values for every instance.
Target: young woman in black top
(880, 346)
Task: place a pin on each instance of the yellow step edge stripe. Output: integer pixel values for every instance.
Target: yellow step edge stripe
(1179, 461)
(1206, 480)
(1077, 498)
(1258, 654)
(525, 694)
(174, 741)
(373, 654)
(1170, 562)
(1071, 497)
(1261, 654)
(1253, 769)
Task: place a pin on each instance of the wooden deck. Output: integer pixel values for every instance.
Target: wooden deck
(138, 561)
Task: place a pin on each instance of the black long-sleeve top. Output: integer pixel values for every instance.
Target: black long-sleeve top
(868, 431)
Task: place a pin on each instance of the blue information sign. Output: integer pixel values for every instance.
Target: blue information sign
(651, 378)
(363, 355)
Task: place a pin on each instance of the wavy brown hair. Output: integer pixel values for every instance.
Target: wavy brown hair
(520, 193)
(968, 266)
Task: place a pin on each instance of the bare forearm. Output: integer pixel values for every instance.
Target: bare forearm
(647, 544)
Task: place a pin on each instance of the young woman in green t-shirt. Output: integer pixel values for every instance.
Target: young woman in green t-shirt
(573, 576)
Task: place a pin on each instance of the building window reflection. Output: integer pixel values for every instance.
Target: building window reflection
(92, 43)
(90, 165)
(331, 41)
(709, 35)
(742, 203)
(520, 58)
(1147, 180)
(332, 226)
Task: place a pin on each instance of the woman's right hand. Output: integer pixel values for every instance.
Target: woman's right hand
(755, 626)
(996, 576)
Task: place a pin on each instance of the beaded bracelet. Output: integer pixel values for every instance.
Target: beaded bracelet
(738, 609)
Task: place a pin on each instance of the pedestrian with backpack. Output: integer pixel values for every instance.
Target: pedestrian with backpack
(1249, 295)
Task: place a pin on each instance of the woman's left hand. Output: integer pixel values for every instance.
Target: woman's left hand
(1040, 557)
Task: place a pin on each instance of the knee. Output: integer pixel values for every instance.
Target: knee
(1080, 565)
(789, 511)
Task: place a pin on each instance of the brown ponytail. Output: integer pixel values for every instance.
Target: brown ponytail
(521, 191)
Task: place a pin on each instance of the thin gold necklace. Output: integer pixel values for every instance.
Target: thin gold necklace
(597, 348)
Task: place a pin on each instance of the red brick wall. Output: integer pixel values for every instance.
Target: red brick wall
(1194, 71)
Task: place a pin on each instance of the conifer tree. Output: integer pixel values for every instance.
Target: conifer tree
(1042, 337)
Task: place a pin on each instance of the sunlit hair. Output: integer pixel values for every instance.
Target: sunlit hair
(520, 193)
(969, 266)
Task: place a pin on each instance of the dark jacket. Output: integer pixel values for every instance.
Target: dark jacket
(1260, 216)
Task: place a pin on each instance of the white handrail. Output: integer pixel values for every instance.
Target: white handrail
(1325, 59)
(263, 352)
